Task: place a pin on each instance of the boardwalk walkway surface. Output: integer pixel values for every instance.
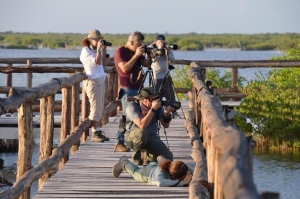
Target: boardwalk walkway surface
(88, 173)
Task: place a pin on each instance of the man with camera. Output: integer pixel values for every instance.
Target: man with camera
(129, 60)
(142, 136)
(161, 56)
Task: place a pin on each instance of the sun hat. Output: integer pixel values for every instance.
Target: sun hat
(147, 92)
(95, 35)
(160, 37)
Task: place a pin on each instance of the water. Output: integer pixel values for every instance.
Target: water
(272, 172)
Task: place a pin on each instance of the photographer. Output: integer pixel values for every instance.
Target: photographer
(93, 57)
(144, 115)
(160, 67)
(164, 173)
(128, 61)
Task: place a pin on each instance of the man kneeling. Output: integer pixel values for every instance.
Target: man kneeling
(143, 135)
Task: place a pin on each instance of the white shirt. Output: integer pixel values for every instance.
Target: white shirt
(88, 59)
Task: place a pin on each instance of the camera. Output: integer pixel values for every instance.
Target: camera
(106, 43)
(174, 104)
(154, 51)
(159, 52)
(171, 46)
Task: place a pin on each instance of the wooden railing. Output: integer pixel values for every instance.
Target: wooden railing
(228, 153)
(227, 150)
(20, 100)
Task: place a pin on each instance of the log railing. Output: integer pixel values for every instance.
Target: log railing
(228, 155)
(227, 150)
(31, 66)
(20, 100)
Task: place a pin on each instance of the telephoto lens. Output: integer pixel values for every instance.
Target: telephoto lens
(172, 46)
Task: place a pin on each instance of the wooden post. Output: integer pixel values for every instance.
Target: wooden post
(104, 119)
(8, 78)
(84, 111)
(65, 120)
(75, 113)
(110, 89)
(234, 77)
(25, 142)
(46, 135)
(29, 75)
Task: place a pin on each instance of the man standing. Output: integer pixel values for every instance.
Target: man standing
(160, 66)
(128, 61)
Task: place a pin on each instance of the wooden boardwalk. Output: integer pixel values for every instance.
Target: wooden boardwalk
(88, 173)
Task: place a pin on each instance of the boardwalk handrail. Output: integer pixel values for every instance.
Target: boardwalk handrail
(49, 164)
(20, 99)
(18, 96)
(198, 187)
(229, 172)
(210, 63)
(234, 65)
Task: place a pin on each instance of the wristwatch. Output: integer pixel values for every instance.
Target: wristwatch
(99, 50)
(153, 110)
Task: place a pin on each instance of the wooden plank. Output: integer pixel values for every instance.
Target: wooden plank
(88, 172)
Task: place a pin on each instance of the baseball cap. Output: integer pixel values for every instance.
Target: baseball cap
(160, 37)
(95, 35)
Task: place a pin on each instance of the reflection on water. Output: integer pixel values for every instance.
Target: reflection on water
(277, 172)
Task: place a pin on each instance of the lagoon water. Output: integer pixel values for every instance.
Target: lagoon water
(273, 172)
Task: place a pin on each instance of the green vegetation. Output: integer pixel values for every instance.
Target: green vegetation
(190, 41)
(273, 105)
(182, 80)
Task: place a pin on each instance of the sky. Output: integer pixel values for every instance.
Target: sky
(151, 16)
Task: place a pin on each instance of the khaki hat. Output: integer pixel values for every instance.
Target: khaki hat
(147, 92)
(95, 35)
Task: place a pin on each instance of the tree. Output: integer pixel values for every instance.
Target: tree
(273, 104)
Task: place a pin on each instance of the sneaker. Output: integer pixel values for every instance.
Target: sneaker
(119, 167)
(96, 137)
(101, 134)
(121, 148)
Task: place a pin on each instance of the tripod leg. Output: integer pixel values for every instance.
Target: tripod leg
(175, 94)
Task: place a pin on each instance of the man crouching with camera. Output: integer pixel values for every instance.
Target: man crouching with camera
(143, 137)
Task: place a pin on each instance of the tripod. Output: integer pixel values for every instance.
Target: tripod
(169, 80)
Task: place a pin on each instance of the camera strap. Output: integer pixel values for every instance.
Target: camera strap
(137, 79)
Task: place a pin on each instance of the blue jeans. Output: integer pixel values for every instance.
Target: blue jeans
(139, 174)
(128, 92)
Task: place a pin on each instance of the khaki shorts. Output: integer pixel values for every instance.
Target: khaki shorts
(95, 90)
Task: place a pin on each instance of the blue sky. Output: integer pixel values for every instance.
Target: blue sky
(153, 16)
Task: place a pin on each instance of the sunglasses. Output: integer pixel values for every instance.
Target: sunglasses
(153, 99)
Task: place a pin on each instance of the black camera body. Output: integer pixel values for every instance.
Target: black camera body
(106, 43)
(174, 104)
(159, 52)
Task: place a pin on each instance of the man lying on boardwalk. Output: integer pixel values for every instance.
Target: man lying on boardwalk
(164, 173)
(143, 137)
